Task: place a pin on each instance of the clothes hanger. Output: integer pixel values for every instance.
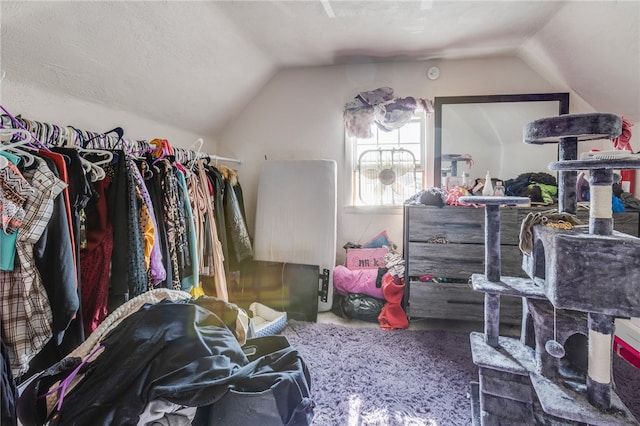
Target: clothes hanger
(13, 146)
(198, 142)
(24, 140)
(117, 130)
(164, 147)
(92, 170)
(99, 152)
(21, 126)
(27, 158)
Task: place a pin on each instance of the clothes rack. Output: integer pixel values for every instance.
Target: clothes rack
(55, 135)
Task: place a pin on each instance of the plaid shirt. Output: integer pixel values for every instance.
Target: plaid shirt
(25, 310)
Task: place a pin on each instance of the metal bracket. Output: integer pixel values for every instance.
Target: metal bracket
(323, 293)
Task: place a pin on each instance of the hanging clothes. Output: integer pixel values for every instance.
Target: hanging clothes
(217, 255)
(15, 191)
(169, 223)
(238, 238)
(153, 183)
(218, 186)
(197, 201)
(26, 314)
(95, 259)
(54, 258)
(153, 256)
(190, 280)
(173, 219)
(128, 274)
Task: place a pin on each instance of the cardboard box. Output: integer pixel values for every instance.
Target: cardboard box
(366, 258)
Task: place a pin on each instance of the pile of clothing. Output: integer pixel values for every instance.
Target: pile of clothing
(539, 186)
(372, 294)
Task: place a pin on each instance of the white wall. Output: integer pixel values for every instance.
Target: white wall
(41, 105)
(298, 115)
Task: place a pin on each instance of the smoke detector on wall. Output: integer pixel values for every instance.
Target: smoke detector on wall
(433, 73)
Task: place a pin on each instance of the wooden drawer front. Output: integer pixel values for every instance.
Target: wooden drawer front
(450, 301)
(457, 301)
(458, 260)
(458, 224)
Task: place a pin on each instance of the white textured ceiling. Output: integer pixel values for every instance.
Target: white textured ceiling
(194, 65)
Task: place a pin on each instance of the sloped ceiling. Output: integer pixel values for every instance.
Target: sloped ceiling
(195, 65)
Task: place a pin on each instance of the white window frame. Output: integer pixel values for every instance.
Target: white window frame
(351, 168)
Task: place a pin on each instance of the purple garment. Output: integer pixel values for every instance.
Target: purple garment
(157, 271)
(582, 188)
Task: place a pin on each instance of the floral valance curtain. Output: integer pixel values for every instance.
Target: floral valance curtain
(381, 107)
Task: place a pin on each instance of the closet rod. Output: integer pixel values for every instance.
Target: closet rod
(218, 158)
(131, 144)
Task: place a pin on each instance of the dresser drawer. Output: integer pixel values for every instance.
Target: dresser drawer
(466, 225)
(458, 260)
(458, 224)
(456, 301)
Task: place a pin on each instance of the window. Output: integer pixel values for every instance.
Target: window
(388, 167)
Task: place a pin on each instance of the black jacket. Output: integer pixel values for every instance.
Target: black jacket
(181, 353)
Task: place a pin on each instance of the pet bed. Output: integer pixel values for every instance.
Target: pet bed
(266, 321)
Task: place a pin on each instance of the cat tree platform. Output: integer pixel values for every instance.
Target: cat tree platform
(578, 270)
(509, 286)
(513, 392)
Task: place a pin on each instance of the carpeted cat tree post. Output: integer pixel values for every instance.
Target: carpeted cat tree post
(578, 282)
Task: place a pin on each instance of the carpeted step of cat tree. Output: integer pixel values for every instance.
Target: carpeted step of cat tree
(509, 286)
(557, 401)
(562, 402)
(584, 127)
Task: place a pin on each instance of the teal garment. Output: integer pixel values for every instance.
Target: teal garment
(8, 241)
(193, 280)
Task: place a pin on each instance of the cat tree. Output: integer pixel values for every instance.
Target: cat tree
(559, 371)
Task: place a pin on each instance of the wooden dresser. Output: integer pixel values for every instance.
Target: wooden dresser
(448, 243)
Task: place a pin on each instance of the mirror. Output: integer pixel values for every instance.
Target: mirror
(489, 130)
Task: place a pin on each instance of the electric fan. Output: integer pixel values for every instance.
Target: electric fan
(386, 176)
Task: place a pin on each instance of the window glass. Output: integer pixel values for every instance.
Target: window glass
(387, 168)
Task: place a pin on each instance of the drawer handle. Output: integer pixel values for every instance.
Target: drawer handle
(438, 240)
(458, 302)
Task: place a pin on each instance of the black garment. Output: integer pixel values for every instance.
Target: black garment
(54, 260)
(128, 269)
(236, 229)
(53, 255)
(519, 185)
(8, 389)
(181, 353)
(80, 194)
(117, 202)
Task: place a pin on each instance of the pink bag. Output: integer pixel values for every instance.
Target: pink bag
(363, 281)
